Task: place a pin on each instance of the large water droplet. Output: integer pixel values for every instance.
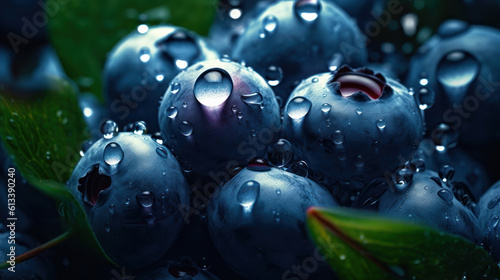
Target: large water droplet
(380, 124)
(113, 154)
(425, 97)
(403, 178)
(300, 168)
(186, 128)
(446, 173)
(162, 151)
(270, 24)
(258, 164)
(172, 112)
(273, 75)
(248, 194)
(494, 202)
(175, 87)
(325, 108)
(252, 98)
(307, 10)
(146, 199)
(446, 195)
(444, 137)
(451, 28)
(140, 127)
(181, 47)
(456, 71)
(298, 107)
(280, 153)
(213, 87)
(109, 129)
(158, 137)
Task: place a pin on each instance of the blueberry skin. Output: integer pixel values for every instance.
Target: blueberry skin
(467, 170)
(169, 270)
(476, 93)
(134, 228)
(428, 200)
(298, 47)
(255, 241)
(139, 68)
(488, 220)
(229, 125)
(355, 138)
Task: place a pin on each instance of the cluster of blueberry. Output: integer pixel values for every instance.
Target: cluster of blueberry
(282, 108)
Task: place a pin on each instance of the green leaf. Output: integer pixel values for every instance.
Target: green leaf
(84, 31)
(364, 245)
(43, 133)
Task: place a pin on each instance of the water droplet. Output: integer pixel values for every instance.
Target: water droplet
(181, 47)
(273, 75)
(278, 191)
(425, 97)
(184, 104)
(213, 87)
(113, 154)
(258, 164)
(143, 29)
(380, 124)
(158, 137)
(252, 98)
(109, 129)
(307, 10)
(494, 222)
(248, 194)
(418, 164)
(140, 127)
(456, 71)
(338, 137)
(315, 80)
(107, 228)
(160, 77)
(175, 87)
(446, 173)
(172, 112)
(270, 24)
(445, 137)
(325, 108)
(359, 161)
(359, 111)
(494, 202)
(144, 54)
(162, 151)
(446, 195)
(450, 28)
(300, 168)
(112, 208)
(280, 153)
(186, 128)
(298, 107)
(146, 199)
(127, 201)
(403, 178)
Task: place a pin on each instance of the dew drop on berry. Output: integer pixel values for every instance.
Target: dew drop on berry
(258, 164)
(338, 137)
(451, 28)
(280, 153)
(425, 97)
(494, 222)
(145, 199)
(445, 195)
(380, 124)
(162, 151)
(446, 173)
(248, 194)
(175, 87)
(113, 154)
(273, 75)
(140, 127)
(144, 54)
(172, 112)
(186, 128)
(158, 138)
(307, 10)
(359, 161)
(418, 164)
(112, 208)
(252, 98)
(278, 191)
(325, 108)
(270, 24)
(456, 71)
(109, 129)
(359, 111)
(299, 168)
(444, 137)
(213, 87)
(403, 178)
(298, 107)
(494, 202)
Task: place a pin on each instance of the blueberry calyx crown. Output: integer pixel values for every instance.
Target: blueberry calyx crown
(93, 183)
(361, 84)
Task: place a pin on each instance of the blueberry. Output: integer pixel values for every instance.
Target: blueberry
(138, 70)
(169, 270)
(131, 188)
(292, 40)
(425, 197)
(462, 76)
(218, 113)
(352, 125)
(257, 222)
(489, 218)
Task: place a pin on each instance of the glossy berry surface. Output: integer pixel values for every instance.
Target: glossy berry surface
(489, 218)
(218, 114)
(352, 125)
(130, 186)
(258, 215)
(139, 68)
(292, 40)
